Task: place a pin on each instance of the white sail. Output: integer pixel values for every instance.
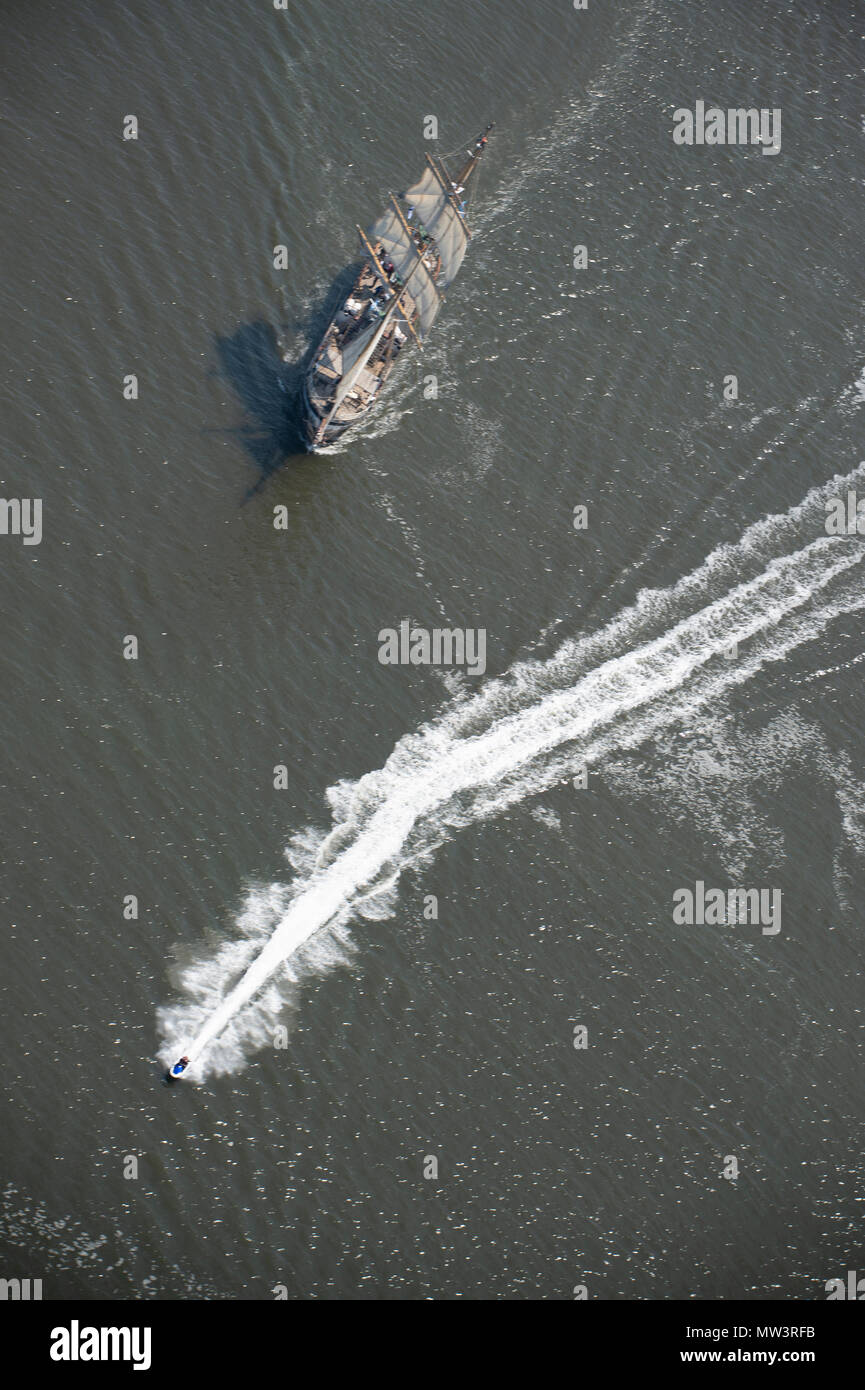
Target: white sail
(372, 337)
(399, 245)
(353, 350)
(440, 218)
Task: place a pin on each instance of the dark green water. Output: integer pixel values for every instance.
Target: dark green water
(409, 1037)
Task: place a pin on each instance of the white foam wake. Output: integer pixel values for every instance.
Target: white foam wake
(651, 668)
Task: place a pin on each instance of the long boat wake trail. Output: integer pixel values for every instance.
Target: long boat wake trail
(652, 667)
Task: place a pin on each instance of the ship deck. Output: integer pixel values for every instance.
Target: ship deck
(356, 313)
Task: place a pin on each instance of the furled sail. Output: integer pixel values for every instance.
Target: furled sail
(440, 218)
(399, 245)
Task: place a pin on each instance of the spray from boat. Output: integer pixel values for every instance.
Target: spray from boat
(650, 669)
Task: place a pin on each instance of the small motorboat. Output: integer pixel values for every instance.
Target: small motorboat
(174, 1073)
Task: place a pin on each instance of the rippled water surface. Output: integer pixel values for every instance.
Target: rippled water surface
(694, 656)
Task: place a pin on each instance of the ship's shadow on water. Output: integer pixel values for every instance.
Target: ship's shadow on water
(269, 387)
(269, 391)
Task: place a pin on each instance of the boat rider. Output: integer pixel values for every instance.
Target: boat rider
(180, 1066)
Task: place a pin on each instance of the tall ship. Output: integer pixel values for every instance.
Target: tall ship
(411, 255)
